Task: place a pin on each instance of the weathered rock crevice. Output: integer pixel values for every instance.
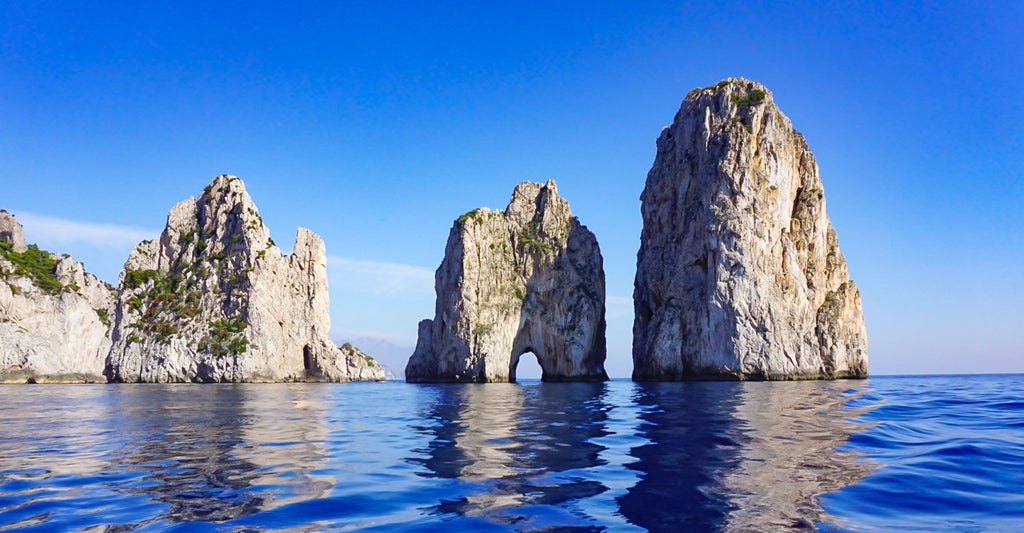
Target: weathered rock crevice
(526, 279)
(739, 273)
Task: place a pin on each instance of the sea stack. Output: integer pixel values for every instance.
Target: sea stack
(214, 300)
(527, 279)
(54, 316)
(739, 273)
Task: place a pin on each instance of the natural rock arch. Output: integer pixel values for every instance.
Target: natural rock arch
(514, 367)
(527, 279)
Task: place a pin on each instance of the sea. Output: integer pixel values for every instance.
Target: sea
(914, 453)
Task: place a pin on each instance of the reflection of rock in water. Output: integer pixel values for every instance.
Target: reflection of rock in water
(44, 438)
(206, 450)
(738, 456)
(185, 437)
(517, 447)
(284, 434)
(793, 430)
(693, 440)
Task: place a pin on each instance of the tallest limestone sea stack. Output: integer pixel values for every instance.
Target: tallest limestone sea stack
(739, 274)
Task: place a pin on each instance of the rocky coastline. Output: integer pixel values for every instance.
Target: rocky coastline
(739, 276)
(211, 300)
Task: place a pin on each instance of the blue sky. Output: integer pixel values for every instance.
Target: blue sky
(375, 124)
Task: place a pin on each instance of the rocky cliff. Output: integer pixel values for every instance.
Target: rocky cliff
(739, 273)
(54, 317)
(528, 279)
(214, 300)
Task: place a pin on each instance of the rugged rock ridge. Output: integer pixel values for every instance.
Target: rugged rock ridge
(54, 317)
(739, 273)
(214, 300)
(528, 279)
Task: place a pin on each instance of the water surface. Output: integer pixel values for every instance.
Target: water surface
(887, 453)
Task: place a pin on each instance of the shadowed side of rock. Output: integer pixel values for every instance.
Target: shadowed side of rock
(739, 273)
(529, 279)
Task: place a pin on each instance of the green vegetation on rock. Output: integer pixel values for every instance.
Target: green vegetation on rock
(468, 215)
(104, 316)
(754, 97)
(35, 264)
(225, 337)
(530, 238)
(164, 302)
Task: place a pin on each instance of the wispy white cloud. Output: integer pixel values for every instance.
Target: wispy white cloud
(379, 278)
(59, 231)
(618, 306)
(619, 301)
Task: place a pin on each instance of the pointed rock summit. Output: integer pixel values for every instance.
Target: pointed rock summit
(54, 316)
(214, 300)
(527, 279)
(739, 273)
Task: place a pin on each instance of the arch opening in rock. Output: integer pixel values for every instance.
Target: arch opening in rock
(526, 279)
(307, 358)
(525, 366)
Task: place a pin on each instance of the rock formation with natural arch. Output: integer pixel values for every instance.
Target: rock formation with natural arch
(527, 279)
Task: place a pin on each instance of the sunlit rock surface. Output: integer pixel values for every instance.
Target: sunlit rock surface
(213, 299)
(54, 316)
(739, 273)
(527, 279)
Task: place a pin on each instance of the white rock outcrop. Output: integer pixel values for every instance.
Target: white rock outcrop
(54, 316)
(214, 300)
(739, 273)
(527, 279)
(11, 232)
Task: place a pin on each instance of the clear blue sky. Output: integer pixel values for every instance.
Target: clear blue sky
(376, 123)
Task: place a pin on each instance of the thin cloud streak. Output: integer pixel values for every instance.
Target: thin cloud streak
(618, 306)
(52, 230)
(380, 278)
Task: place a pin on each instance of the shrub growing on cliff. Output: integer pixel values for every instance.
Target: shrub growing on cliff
(225, 337)
(752, 98)
(35, 264)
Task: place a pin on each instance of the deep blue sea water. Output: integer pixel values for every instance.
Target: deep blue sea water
(907, 453)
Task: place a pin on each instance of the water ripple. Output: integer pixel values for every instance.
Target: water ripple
(949, 451)
(910, 454)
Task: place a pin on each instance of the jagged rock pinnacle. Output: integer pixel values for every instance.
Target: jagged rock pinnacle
(214, 299)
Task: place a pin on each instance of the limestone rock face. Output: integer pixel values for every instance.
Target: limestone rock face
(739, 273)
(54, 316)
(11, 231)
(529, 279)
(214, 300)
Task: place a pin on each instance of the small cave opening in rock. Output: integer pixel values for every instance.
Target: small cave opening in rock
(307, 358)
(526, 368)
